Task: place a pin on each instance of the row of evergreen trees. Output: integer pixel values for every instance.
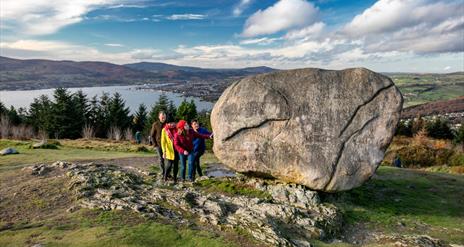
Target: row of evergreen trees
(438, 128)
(67, 114)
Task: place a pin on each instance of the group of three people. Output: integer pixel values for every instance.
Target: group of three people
(177, 141)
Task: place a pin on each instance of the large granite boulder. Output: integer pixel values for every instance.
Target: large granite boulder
(324, 129)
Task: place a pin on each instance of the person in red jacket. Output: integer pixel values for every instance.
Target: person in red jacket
(183, 142)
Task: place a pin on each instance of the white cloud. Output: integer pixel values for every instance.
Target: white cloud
(144, 54)
(391, 15)
(238, 10)
(311, 31)
(114, 45)
(36, 45)
(259, 41)
(283, 15)
(58, 50)
(186, 17)
(420, 26)
(141, 6)
(447, 68)
(38, 17)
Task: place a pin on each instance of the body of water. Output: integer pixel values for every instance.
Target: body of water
(133, 97)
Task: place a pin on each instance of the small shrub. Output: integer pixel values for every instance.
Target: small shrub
(416, 156)
(45, 146)
(139, 149)
(420, 138)
(440, 144)
(54, 142)
(457, 159)
(457, 169)
(442, 156)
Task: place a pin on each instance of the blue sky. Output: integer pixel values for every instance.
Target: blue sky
(384, 35)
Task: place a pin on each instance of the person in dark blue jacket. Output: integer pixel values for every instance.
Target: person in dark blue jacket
(199, 146)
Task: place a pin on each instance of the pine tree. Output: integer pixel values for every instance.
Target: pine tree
(161, 105)
(40, 114)
(100, 110)
(193, 113)
(187, 111)
(64, 115)
(13, 116)
(404, 128)
(204, 119)
(81, 109)
(140, 118)
(2, 109)
(171, 113)
(118, 114)
(439, 129)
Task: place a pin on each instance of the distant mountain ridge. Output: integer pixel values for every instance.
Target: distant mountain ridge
(40, 73)
(162, 67)
(18, 74)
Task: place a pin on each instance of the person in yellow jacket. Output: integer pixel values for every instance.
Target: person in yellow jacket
(169, 154)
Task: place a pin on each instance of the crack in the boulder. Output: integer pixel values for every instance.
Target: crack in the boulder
(340, 152)
(253, 126)
(363, 104)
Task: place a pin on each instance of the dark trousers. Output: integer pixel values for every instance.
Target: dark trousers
(197, 163)
(174, 165)
(161, 159)
(183, 163)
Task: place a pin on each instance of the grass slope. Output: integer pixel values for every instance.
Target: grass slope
(406, 201)
(69, 150)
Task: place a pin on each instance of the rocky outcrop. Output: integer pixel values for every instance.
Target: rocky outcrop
(327, 130)
(291, 216)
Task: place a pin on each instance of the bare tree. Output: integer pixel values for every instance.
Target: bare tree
(43, 135)
(22, 132)
(88, 132)
(115, 133)
(5, 126)
(128, 135)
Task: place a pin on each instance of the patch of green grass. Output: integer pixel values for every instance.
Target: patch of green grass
(107, 145)
(109, 228)
(29, 156)
(231, 188)
(407, 201)
(153, 234)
